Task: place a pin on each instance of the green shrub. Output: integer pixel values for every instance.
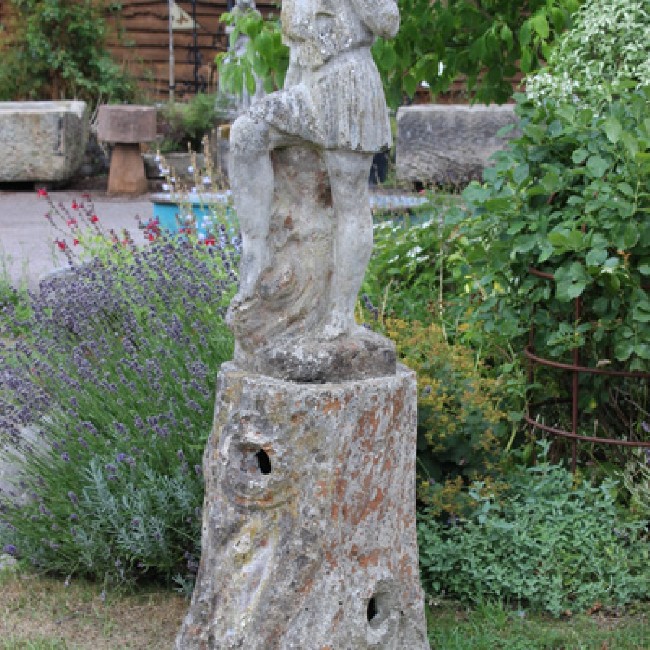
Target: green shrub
(549, 542)
(603, 55)
(417, 267)
(484, 43)
(570, 198)
(463, 430)
(56, 49)
(106, 403)
(184, 125)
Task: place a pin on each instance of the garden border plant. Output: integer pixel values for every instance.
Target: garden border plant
(113, 370)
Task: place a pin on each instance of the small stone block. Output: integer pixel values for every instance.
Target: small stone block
(125, 123)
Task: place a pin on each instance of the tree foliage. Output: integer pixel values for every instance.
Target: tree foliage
(485, 42)
(56, 49)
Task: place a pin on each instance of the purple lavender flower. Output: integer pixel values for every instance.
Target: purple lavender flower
(10, 549)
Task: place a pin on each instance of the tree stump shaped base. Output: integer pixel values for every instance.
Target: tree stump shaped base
(309, 538)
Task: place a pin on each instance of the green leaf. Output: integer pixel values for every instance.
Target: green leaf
(540, 24)
(521, 173)
(641, 311)
(506, 36)
(625, 188)
(623, 350)
(597, 166)
(571, 281)
(579, 156)
(410, 84)
(613, 129)
(526, 63)
(596, 257)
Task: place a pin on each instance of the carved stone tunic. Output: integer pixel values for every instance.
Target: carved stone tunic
(333, 93)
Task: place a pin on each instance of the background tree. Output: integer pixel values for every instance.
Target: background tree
(56, 49)
(486, 42)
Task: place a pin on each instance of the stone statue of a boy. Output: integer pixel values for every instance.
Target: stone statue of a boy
(333, 99)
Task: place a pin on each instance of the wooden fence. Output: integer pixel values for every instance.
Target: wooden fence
(140, 42)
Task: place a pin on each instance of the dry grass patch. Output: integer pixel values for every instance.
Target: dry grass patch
(38, 613)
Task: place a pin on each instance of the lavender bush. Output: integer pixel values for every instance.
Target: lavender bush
(113, 374)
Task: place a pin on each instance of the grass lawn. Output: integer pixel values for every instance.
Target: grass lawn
(491, 628)
(38, 613)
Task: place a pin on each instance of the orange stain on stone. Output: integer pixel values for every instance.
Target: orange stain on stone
(332, 406)
(370, 559)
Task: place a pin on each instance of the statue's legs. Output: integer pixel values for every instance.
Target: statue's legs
(348, 172)
(251, 176)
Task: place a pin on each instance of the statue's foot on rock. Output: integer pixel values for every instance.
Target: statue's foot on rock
(320, 359)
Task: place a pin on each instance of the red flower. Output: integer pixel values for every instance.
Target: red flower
(41, 192)
(71, 222)
(210, 241)
(94, 219)
(75, 206)
(61, 244)
(75, 242)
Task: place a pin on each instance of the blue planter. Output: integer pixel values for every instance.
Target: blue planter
(170, 212)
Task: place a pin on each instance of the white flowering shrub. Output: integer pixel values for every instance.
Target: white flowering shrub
(605, 53)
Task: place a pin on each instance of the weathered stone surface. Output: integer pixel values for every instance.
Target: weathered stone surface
(309, 539)
(126, 123)
(449, 144)
(126, 174)
(126, 126)
(314, 141)
(41, 141)
(280, 327)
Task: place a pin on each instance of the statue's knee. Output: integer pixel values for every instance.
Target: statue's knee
(248, 136)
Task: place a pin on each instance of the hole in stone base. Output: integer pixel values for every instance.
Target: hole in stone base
(263, 461)
(379, 608)
(372, 609)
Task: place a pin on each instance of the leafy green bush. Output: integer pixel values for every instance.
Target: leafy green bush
(106, 402)
(485, 42)
(184, 125)
(56, 49)
(603, 55)
(570, 198)
(549, 542)
(462, 431)
(482, 41)
(417, 266)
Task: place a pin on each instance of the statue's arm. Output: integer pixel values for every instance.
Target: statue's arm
(380, 16)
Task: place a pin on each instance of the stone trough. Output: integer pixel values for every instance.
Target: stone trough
(42, 141)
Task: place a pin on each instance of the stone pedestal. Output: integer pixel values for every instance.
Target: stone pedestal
(126, 175)
(309, 539)
(126, 126)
